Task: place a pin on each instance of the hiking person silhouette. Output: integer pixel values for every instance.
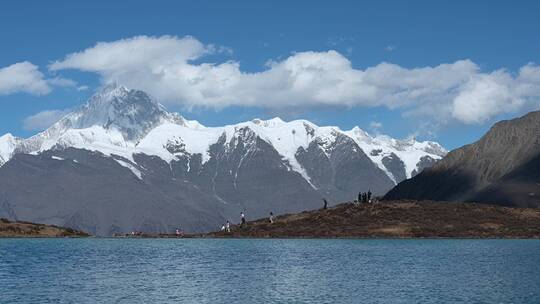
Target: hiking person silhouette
(243, 222)
(271, 218)
(325, 204)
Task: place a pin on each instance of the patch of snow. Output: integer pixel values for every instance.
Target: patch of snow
(131, 167)
(197, 140)
(57, 158)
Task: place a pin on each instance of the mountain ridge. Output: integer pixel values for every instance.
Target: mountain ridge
(98, 121)
(134, 166)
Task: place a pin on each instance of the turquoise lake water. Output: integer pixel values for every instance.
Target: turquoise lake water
(268, 271)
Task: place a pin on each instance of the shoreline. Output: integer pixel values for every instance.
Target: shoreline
(391, 220)
(270, 238)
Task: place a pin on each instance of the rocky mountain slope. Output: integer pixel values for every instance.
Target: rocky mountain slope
(502, 167)
(121, 162)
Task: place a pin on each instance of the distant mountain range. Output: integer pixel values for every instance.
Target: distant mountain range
(121, 162)
(503, 167)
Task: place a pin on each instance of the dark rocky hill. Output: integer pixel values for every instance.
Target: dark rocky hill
(502, 168)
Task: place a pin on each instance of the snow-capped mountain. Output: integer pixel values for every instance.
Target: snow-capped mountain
(127, 122)
(256, 166)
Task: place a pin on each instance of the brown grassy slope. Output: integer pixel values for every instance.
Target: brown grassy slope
(26, 229)
(399, 219)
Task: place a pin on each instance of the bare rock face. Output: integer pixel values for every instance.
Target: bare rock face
(502, 167)
(396, 166)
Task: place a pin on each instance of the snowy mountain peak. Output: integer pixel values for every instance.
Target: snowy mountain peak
(360, 134)
(274, 122)
(112, 90)
(131, 112)
(8, 144)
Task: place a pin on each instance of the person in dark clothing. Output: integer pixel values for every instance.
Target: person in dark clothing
(369, 195)
(364, 197)
(359, 197)
(325, 204)
(243, 222)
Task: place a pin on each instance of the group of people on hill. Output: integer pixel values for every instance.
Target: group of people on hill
(226, 227)
(243, 223)
(364, 197)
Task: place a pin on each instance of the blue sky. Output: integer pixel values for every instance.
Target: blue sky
(389, 53)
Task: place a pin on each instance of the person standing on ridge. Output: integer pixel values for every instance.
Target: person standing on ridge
(228, 226)
(369, 196)
(359, 197)
(271, 218)
(325, 204)
(243, 222)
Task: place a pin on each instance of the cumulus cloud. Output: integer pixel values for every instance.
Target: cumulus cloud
(43, 120)
(23, 77)
(173, 70)
(485, 96)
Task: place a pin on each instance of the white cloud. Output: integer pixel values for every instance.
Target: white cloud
(375, 125)
(128, 54)
(165, 67)
(62, 82)
(22, 77)
(485, 96)
(25, 77)
(43, 120)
